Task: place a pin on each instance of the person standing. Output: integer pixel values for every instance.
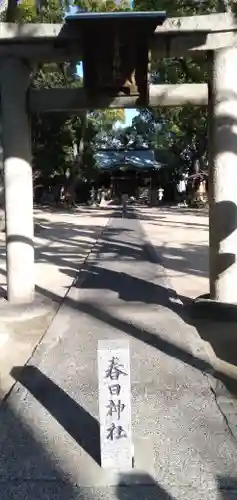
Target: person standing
(160, 194)
(124, 203)
(181, 189)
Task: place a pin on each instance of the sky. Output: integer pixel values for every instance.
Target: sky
(129, 115)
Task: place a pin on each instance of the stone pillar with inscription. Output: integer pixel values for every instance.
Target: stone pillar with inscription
(115, 405)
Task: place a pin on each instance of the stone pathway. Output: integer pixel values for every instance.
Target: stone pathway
(63, 241)
(180, 241)
(49, 446)
(180, 236)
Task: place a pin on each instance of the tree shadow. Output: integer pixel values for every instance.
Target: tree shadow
(163, 211)
(62, 246)
(132, 289)
(135, 289)
(148, 337)
(30, 466)
(178, 257)
(219, 334)
(24, 466)
(96, 275)
(79, 210)
(192, 260)
(160, 296)
(160, 217)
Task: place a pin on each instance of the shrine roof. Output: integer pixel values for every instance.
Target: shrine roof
(141, 159)
(160, 16)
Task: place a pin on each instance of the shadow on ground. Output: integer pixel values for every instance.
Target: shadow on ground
(189, 258)
(152, 491)
(19, 449)
(192, 260)
(27, 471)
(162, 214)
(84, 210)
(227, 488)
(64, 245)
(79, 424)
(44, 480)
(67, 245)
(130, 288)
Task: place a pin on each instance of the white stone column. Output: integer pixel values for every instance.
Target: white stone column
(223, 176)
(14, 81)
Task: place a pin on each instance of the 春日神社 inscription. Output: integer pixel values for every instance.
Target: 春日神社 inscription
(115, 405)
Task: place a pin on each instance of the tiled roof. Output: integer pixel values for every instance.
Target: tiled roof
(140, 159)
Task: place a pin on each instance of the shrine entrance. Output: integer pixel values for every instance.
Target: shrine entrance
(119, 77)
(129, 170)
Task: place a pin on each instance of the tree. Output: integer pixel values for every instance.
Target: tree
(181, 132)
(104, 5)
(53, 134)
(27, 11)
(55, 137)
(185, 7)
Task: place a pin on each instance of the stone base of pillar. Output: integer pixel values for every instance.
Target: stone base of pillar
(206, 308)
(40, 307)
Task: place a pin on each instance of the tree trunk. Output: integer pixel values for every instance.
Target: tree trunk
(79, 162)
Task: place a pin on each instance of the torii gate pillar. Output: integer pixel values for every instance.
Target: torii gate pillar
(223, 176)
(14, 81)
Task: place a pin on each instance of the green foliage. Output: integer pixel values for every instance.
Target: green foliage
(183, 7)
(179, 135)
(103, 5)
(26, 11)
(51, 12)
(55, 136)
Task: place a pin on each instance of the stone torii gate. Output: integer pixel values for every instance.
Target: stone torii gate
(118, 78)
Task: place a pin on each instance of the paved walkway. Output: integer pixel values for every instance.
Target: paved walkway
(181, 239)
(49, 427)
(63, 240)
